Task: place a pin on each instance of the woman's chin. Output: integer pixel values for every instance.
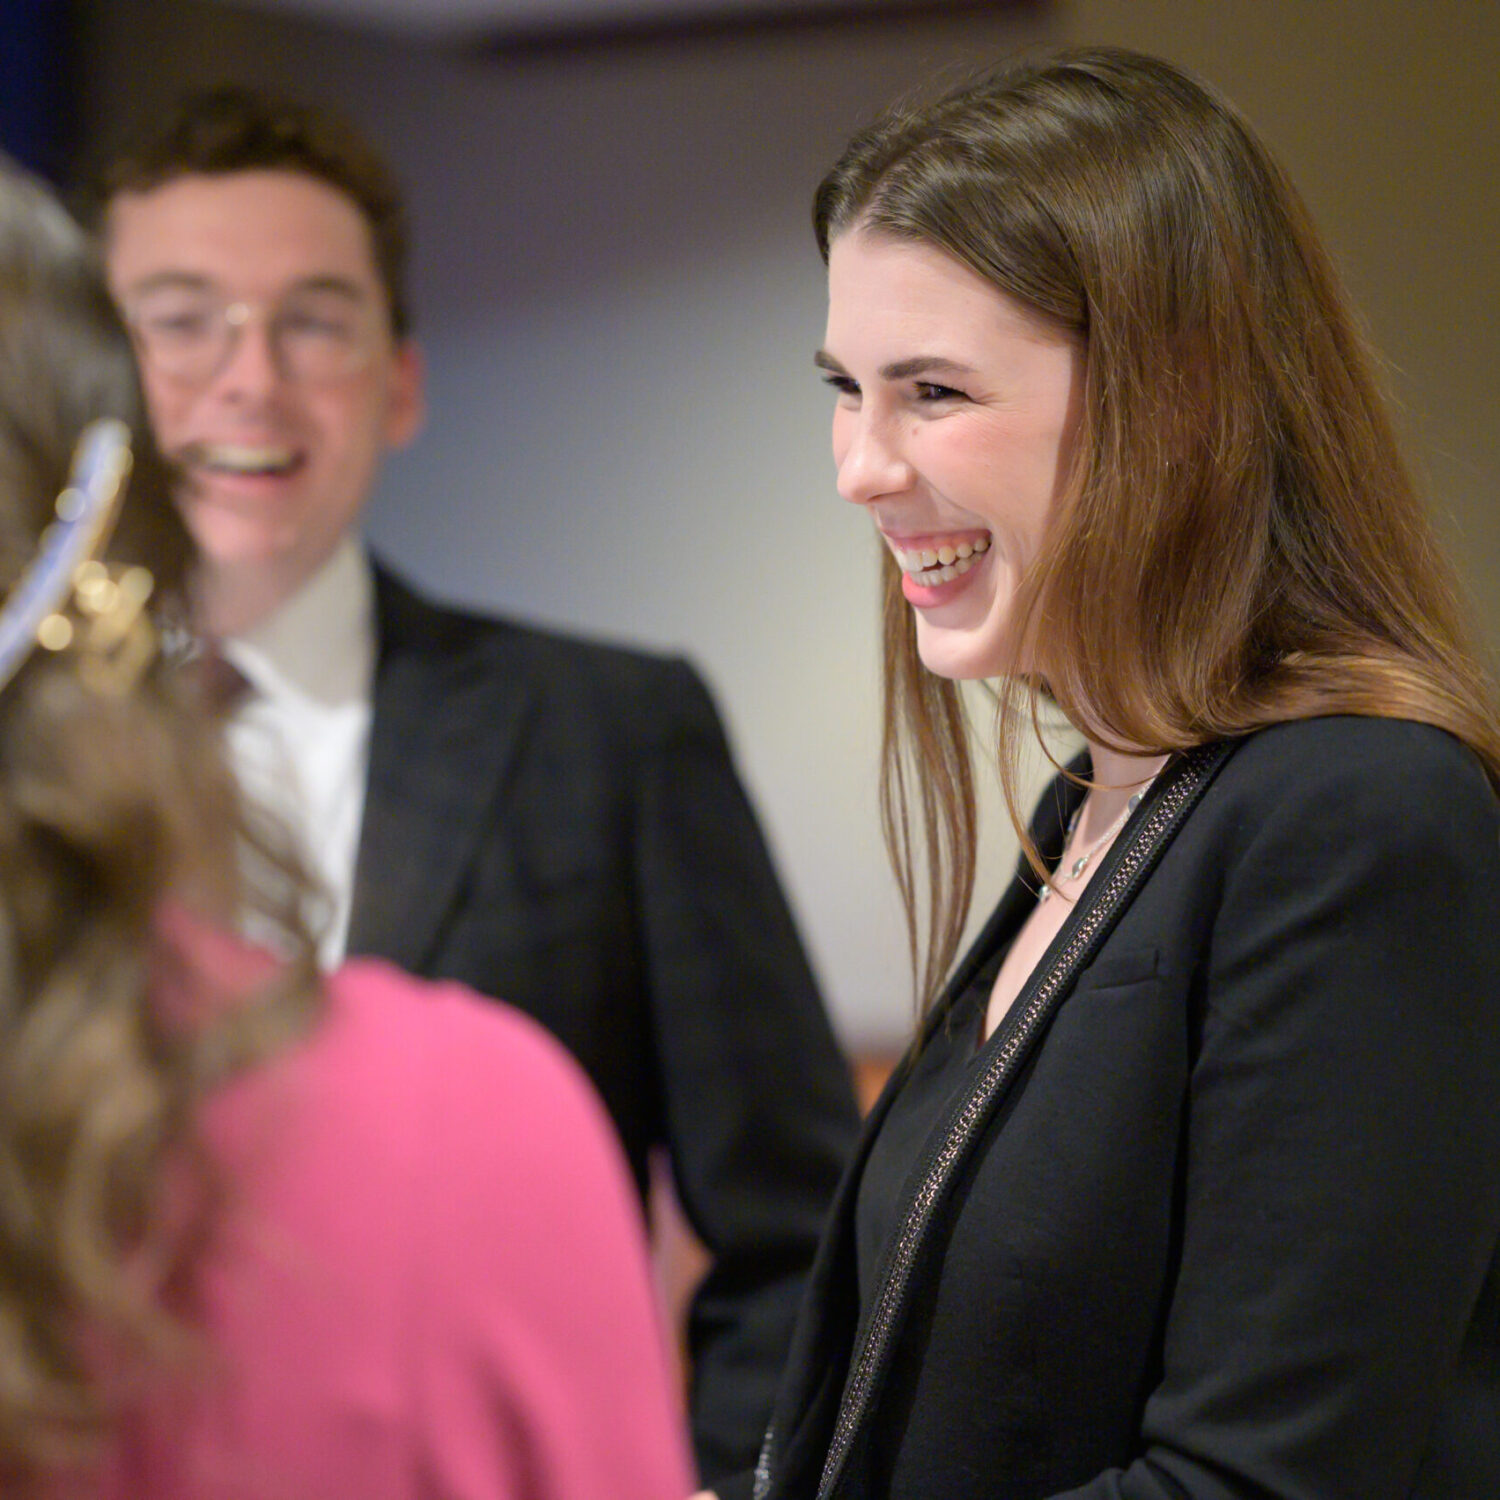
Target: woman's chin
(962, 655)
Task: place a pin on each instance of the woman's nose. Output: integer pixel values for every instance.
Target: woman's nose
(870, 461)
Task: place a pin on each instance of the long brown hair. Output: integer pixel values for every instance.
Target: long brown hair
(115, 808)
(1239, 542)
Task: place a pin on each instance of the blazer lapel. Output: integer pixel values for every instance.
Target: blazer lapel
(445, 726)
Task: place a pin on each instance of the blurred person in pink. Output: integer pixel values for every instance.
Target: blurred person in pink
(262, 1236)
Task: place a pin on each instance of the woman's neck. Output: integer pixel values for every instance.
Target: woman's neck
(1117, 777)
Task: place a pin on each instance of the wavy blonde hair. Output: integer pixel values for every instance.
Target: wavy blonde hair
(1239, 542)
(112, 809)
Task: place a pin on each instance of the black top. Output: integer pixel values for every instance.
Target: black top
(939, 1075)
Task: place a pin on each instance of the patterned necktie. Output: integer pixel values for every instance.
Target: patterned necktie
(221, 684)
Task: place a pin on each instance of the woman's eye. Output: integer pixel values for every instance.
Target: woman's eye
(927, 391)
(843, 384)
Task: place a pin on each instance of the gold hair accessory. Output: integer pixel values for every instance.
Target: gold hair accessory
(68, 598)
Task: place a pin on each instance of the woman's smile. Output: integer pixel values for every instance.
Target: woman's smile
(929, 563)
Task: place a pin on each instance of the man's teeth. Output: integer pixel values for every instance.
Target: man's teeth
(235, 459)
(931, 566)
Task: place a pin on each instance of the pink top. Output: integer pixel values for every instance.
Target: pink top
(431, 1278)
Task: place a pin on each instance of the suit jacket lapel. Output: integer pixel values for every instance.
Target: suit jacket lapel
(445, 726)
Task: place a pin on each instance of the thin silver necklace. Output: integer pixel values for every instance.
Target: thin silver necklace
(1081, 862)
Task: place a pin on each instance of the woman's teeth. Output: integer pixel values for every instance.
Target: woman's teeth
(938, 565)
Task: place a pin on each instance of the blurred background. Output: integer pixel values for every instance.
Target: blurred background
(618, 294)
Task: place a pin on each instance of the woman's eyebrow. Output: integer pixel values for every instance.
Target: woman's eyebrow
(924, 364)
(901, 369)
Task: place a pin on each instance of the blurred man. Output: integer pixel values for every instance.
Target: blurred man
(553, 821)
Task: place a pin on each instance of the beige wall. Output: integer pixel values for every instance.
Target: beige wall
(619, 296)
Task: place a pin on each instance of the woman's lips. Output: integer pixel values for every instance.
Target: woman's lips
(934, 566)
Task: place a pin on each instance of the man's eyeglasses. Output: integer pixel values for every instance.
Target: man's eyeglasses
(316, 336)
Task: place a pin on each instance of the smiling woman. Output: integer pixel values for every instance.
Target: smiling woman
(1190, 1184)
(955, 424)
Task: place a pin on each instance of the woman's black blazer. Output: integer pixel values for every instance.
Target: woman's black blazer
(1235, 1154)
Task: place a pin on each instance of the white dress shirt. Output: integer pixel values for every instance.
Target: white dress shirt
(299, 739)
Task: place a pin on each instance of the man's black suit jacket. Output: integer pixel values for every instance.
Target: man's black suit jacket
(558, 824)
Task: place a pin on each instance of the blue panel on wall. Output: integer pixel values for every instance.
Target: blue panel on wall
(34, 82)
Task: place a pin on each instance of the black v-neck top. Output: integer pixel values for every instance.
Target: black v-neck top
(942, 1072)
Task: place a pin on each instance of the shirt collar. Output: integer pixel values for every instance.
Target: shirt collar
(320, 644)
